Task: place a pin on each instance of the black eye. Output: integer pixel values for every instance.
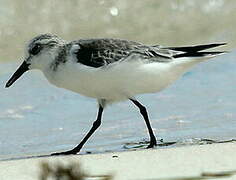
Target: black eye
(35, 49)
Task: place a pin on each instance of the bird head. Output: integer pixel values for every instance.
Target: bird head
(39, 53)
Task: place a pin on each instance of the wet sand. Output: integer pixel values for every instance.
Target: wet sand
(197, 162)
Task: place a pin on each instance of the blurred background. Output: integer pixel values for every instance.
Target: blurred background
(167, 22)
(37, 118)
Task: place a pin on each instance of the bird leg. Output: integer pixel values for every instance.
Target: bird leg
(144, 113)
(96, 124)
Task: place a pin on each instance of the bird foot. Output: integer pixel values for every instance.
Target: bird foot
(65, 153)
(152, 144)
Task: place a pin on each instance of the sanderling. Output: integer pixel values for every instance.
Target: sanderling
(110, 70)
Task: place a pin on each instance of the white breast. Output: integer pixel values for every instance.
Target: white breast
(118, 81)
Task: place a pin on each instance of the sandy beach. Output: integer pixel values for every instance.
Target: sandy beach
(212, 161)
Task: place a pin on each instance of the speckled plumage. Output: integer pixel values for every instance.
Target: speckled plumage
(101, 52)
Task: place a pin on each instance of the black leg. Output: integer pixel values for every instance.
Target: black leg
(144, 113)
(96, 124)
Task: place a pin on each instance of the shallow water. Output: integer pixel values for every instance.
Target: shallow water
(37, 118)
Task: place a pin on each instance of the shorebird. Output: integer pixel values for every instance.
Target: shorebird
(110, 70)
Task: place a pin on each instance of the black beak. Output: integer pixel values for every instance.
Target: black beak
(23, 68)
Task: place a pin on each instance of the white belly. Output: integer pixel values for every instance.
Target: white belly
(117, 81)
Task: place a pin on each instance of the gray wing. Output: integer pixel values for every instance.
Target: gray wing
(101, 52)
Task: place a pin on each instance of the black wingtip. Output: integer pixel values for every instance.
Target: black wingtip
(196, 48)
(200, 54)
(218, 44)
(214, 45)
